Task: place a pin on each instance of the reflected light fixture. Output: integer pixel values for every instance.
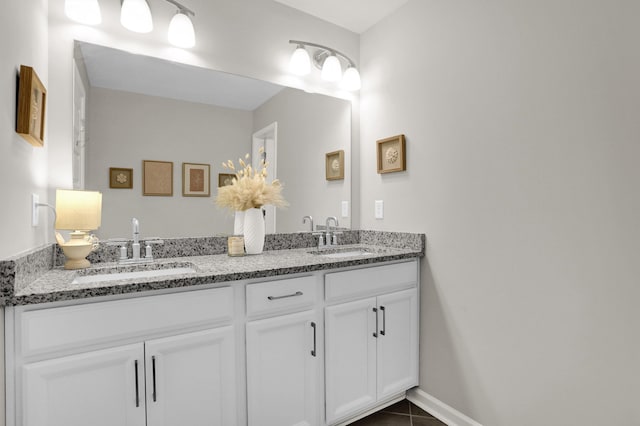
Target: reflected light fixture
(83, 11)
(135, 15)
(181, 32)
(328, 61)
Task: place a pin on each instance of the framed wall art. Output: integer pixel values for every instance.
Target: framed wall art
(391, 154)
(157, 178)
(120, 178)
(334, 165)
(32, 101)
(225, 179)
(196, 181)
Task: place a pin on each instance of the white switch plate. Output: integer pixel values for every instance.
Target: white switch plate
(379, 209)
(345, 209)
(35, 199)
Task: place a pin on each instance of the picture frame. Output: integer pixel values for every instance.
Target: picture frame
(196, 180)
(334, 165)
(32, 101)
(157, 178)
(120, 178)
(391, 154)
(225, 179)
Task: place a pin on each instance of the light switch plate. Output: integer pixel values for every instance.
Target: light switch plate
(345, 209)
(379, 209)
(35, 199)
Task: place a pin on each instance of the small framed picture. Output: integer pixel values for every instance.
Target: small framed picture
(32, 100)
(334, 165)
(120, 178)
(225, 179)
(391, 154)
(157, 178)
(196, 181)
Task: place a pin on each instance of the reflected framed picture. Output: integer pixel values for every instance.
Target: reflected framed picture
(225, 179)
(196, 181)
(334, 165)
(120, 178)
(32, 101)
(157, 178)
(391, 154)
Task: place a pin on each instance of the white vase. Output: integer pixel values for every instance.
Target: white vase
(253, 231)
(238, 223)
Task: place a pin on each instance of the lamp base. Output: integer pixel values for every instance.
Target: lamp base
(76, 264)
(75, 251)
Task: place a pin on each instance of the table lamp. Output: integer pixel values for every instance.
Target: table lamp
(80, 212)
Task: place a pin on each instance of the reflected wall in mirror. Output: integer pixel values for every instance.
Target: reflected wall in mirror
(141, 108)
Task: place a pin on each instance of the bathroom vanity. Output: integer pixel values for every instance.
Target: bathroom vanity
(289, 337)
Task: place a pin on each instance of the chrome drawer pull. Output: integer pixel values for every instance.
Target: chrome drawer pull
(297, 293)
(153, 372)
(137, 385)
(313, 352)
(375, 333)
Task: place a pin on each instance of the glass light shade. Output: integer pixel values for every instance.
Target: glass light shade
(135, 16)
(331, 69)
(300, 63)
(351, 79)
(83, 11)
(181, 32)
(78, 210)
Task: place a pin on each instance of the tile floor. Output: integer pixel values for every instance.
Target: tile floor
(403, 413)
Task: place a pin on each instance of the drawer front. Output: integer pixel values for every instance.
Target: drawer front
(367, 282)
(281, 296)
(66, 328)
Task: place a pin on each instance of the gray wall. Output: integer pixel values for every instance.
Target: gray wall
(309, 126)
(522, 145)
(127, 128)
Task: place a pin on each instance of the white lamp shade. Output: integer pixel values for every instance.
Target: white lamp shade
(83, 11)
(78, 210)
(300, 63)
(181, 32)
(331, 69)
(351, 79)
(135, 16)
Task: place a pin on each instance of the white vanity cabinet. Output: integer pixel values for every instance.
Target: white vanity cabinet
(372, 342)
(102, 364)
(283, 356)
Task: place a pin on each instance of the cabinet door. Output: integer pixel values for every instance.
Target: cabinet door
(350, 353)
(100, 388)
(397, 342)
(282, 370)
(191, 379)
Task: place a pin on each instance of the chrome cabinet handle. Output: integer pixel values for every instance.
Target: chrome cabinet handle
(375, 333)
(313, 352)
(384, 321)
(153, 373)
(297, 293)
(137, 385)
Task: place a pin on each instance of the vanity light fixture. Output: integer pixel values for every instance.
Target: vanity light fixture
(327, 60)
(135, 15)
(181, 32)
(83, 11)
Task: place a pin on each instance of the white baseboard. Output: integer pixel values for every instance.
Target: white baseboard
(439, 409)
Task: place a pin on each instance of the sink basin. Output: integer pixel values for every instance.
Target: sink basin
(115, 274)
(341, 253)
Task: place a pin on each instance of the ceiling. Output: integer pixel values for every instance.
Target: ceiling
(354, 15)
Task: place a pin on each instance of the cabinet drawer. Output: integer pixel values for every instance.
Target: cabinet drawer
(70, 327)
(280, 296)
(367, 282)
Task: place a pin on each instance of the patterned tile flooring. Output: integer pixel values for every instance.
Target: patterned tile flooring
(403, 413)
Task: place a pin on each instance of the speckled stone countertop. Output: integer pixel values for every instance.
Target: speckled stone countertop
(57, 284)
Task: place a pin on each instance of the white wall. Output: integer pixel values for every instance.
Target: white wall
(314, 125)
(127, 128)
(23, 168)
(522, 131)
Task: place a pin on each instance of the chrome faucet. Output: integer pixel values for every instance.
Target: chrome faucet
(135, 224)
(135, 246)
(332, 238)
(310, 219)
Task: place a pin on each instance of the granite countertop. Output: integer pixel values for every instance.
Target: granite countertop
(57, 284)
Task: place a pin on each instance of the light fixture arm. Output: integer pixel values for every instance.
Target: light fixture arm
(320, 46)
(181, 7)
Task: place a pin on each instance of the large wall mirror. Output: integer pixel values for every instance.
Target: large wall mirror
(131, 108)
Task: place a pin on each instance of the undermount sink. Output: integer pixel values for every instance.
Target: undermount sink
(133, 272)
(341, 253)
